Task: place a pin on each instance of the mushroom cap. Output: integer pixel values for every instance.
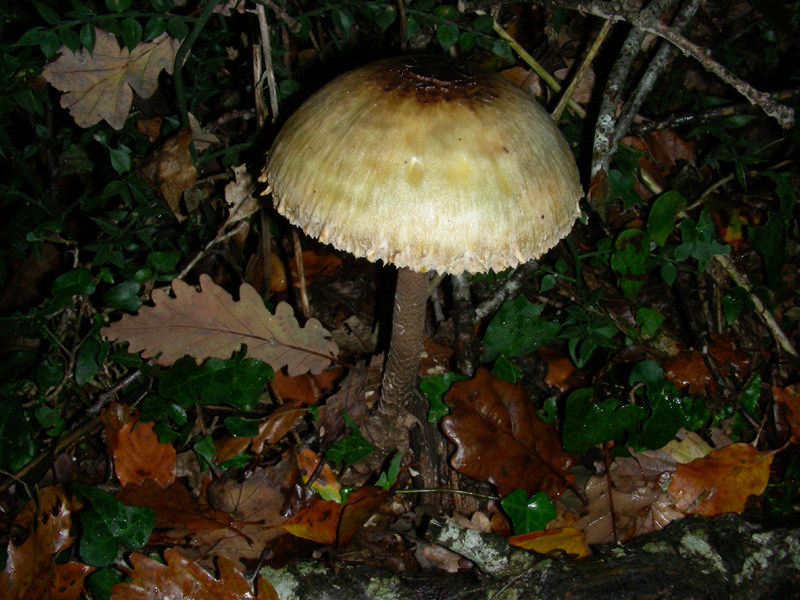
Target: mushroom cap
(427, 163)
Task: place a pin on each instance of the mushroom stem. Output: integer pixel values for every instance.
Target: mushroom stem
(405, 347)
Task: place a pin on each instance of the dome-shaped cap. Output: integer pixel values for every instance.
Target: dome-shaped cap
(426, 163)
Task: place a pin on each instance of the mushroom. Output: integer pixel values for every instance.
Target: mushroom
(430, 164)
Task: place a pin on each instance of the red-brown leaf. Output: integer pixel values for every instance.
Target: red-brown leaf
(501, 439)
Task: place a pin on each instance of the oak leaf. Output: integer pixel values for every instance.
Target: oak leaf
(210, 324)
(722, 481)
(31, 570)
(501, 439)
(181, 579)
(170, 170)
(100, 84)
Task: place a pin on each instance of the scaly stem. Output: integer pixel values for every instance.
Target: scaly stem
(400, 374)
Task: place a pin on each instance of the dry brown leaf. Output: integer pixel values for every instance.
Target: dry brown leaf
(183, 579)
(722, 481)
(170, 170)
(208, 323)
(31, 571)
(100, 84)
(567, 540)
(314, 265)
(239, 195)
(501, 439)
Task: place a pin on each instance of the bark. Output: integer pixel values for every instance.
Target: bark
(715, 558)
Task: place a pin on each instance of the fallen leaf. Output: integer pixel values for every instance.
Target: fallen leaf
(325, 483)
(688, 369)
(208, 323)
(181, 578)
(239, 195)
(314, 265)
(170, 170)
(100, 84)
(722, 481)
(270, 431)
(567, 540)
(139, 456)
(30, 570)
(501, 439)
(331, 523)
(789, 398)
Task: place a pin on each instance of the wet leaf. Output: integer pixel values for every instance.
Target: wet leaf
(517, 329)
(567, 540)
(528, 514)
(333, 523)
(789, 398)
(181, 578)
(501, 439)
(722, 481)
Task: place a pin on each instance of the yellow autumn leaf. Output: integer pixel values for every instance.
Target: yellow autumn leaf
(722, 481)
(100, 84)
(571, 541)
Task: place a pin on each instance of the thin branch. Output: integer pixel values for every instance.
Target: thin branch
(534, 64)
(266, 48)
(567, 95)
(647, 22)
(663, 58)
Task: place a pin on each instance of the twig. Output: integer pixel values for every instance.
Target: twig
(301, 274)
(663, 58)
(221, 237)
(719, 112)
(780, 338)
(648, 22)
(266, 48)
(509, 288)
(463, 314)
(534, 64)
(579, 74)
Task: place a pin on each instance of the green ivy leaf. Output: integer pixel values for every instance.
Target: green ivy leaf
(125, 295)
(649, 320)
(343, 20)
(587, 424)
(109, 524)
(236, 382)
(528, 514)
(154, 27)
(770, 241)
(76, 282)
(506, 370)
(384, 17)
(131, 33)
(206, 451)
(483, 23)
(662, 216)
(89, 358)
(434, 387)
(517, 329)
(351, 449)
(389, 477)
(118, 6)
(447, 35)
(629, 261)
(242, 427)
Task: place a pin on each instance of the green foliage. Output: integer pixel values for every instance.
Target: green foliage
(647, 425)
(109, 524)
(585, 331)
(528, 514)
(350, 449)
(434, 387)
(237, 382)
(389, 477)
(517, 329)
